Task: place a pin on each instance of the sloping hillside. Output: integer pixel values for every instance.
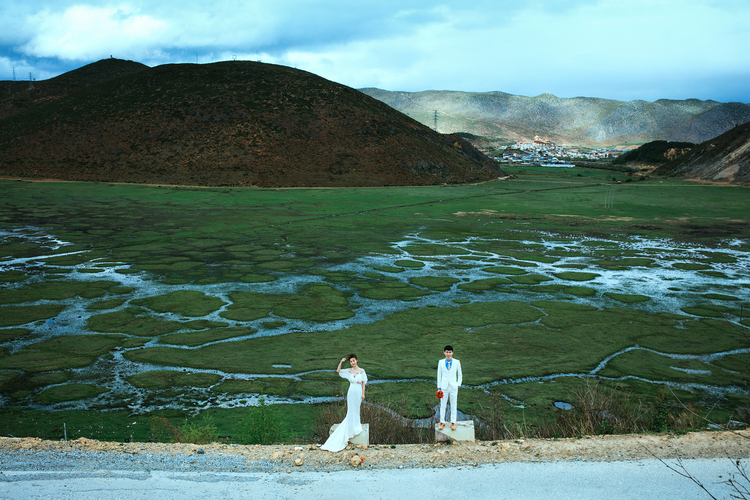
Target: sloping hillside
(579, 120)
(722, 159)
(654, 153)
(230, 123)
(19, 97)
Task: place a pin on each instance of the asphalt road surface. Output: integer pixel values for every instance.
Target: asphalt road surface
(643, 479)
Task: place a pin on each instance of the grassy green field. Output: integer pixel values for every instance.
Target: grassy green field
(119, 303)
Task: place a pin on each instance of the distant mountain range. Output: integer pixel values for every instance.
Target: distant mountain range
(236, 123)
(244, 123)
(582, 121)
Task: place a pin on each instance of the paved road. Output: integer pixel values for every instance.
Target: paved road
(646, 479)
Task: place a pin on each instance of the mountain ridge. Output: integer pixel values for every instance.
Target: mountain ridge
(21, 98)
(586, 121)
(237, 123)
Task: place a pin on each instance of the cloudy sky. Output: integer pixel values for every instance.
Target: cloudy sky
(615, 49)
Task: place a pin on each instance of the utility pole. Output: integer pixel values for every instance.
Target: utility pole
(609, 199)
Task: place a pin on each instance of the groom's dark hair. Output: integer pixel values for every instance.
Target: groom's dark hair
(448, 348)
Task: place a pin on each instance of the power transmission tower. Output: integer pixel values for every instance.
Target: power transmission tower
(609, 199)
(435, 120)
(31, 81)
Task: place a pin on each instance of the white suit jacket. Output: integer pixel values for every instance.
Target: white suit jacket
(449, 379)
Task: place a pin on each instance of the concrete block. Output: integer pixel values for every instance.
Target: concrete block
(464, 432)
(363, 438)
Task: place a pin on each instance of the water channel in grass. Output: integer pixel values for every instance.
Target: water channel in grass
(650, 276)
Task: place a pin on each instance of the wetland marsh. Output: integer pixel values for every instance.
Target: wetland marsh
(120, 302)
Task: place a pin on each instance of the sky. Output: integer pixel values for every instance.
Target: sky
(612, 49)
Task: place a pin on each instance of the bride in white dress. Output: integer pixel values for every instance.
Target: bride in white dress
(351, 426)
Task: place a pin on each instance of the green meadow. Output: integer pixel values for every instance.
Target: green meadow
(119, 303)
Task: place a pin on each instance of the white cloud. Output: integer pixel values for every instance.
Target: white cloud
(606, 48)
(83, 32)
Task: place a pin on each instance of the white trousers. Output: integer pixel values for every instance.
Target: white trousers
(451, 393)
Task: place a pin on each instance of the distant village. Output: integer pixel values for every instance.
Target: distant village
(546, 153)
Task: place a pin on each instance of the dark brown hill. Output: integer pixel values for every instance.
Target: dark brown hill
(230, 123)
(18, 97)
(725, 158)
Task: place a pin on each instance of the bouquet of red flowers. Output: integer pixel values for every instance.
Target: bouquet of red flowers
(439, 394)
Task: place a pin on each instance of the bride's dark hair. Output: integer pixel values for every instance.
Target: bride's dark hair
(352, 355)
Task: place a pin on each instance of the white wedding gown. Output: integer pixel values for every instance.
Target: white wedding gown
(351, 426)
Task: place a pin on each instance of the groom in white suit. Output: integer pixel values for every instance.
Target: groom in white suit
(449, 379)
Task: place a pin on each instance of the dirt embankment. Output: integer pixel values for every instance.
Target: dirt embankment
(308, 457)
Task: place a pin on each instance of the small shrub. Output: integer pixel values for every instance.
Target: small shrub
(162, 430)
(262, 426)
(192, 432)
(660, 413)
(189, 432)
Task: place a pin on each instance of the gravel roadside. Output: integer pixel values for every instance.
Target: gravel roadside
(83, 454)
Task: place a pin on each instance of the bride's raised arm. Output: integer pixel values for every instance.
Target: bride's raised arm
(338, 368)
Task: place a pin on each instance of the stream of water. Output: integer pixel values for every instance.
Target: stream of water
(670, 289)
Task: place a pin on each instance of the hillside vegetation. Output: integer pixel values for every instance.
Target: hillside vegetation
(230, 123)
(722, 159)
(580, 120)
(19, 97)
(654, 153)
